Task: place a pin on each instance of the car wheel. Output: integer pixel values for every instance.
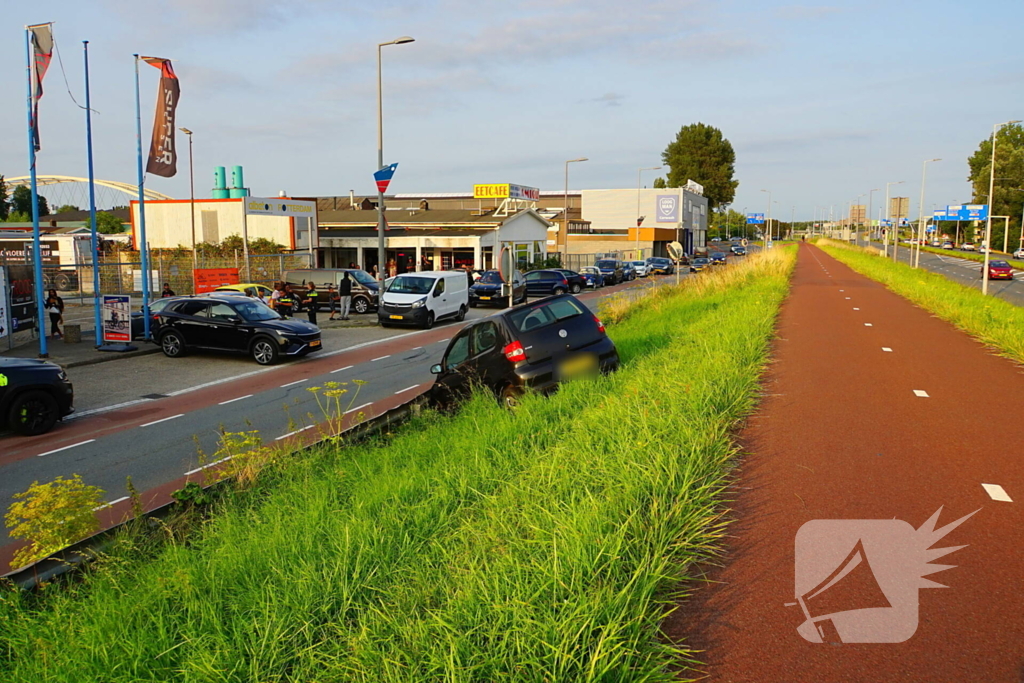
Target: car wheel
(360, 305)
(264, 351)
(576, 288)
(430, 321)
(559, 291)
(462, 314)
(172, 344)
(33, 412)
(510, 396)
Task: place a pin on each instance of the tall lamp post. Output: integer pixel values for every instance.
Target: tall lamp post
(920, 212)
(885, 248)
(991, 205)
(768, 234)
(638, 172)
(192, 205)
(381, 260)
(565, 214)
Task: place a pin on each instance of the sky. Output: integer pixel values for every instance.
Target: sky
(822, 102)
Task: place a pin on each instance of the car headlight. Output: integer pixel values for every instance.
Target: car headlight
(419, 302)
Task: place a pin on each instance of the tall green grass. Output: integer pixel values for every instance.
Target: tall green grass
(540, 545)
(990, 319)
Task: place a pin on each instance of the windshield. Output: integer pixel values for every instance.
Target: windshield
(255, 310)
(998, 264)
(700, 260)
(605, 264)
(659, 261)
(590, 270)
(362, 277)
(410, 284)
(638, 263)
(491, 277)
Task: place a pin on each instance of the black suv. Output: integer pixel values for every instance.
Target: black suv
(231, 323)
(34, 394)
(487, 290)
(533, 347)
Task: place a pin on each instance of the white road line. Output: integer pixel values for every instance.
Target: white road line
(887, 349)
(285, 436)
(444, 340)
(58, 450)
(215, 462)
(416, 348)
(291, 384)
(224, 403)
(920, 394)
(868, 325)
(156, 422)
(347, 367)
(402, 391)
(381, 358)
(847, 298)
(856, 309)
(996, 492)
(111, 503)
(357, 408)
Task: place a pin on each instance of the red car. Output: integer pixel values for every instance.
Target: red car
(999, 270)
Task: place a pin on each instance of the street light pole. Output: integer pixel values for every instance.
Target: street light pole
(991, 206)
(381, 258)
(768, 237)
(638, 172)
(192, 206)
(920, 212)
(565, 214)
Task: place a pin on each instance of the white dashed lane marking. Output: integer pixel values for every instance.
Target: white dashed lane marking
(232, 400)
(920, 394)
(297, 431)
(402, 391)
(381, 358)
(887, 349)
(64, 448)
(868, 325)
(347, 367)
(996, 492)
(291, 384)
(156, 422)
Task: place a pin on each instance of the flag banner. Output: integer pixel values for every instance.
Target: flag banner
(383, 177)
(163, 156)
(41, 37)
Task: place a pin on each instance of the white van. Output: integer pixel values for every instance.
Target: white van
(423, 298)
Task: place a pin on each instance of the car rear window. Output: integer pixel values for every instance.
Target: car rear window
(605, 264)
(999, 264)
(536, 317)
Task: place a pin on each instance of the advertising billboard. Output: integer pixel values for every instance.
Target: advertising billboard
(506, 191)
(668, 208)
(209, 279)
(279, 206)
(117, 318)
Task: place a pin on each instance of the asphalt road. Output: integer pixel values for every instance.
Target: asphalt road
(867, 439)
(966, 272)
(149, 417)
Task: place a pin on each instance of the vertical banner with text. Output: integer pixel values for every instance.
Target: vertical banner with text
(163, 156)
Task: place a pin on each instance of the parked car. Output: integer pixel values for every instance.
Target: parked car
(423, 298)
(138, 326)
(576, 281)
(658, 265)
(592, 276)
(546, 283)
(34, 394)
(527, 348)
(629, 273)
(716, 239)
(967, 246)
(365, 294)
(232, 323)
(999, 270)
(246, 288)
(486, 291)
(613, 270)
(947, 245)
(640, 268)
(699, 263)
(935, 243)
(717, 258)
(1019, 253)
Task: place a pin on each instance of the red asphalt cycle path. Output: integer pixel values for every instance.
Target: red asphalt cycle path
(841, 435)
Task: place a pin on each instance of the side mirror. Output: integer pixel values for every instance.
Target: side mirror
(435, 369)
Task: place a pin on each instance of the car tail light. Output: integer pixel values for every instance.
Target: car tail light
(600, 325)
(565, 280)
(515, 351)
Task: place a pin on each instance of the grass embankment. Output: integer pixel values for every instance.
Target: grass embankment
(991, 320)
(973, 256)
(539, 545)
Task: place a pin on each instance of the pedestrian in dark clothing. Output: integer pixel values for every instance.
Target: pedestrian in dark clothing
(286, 302)
(469, 275)
(345, 295)
(332, 301)
(167, 291)
(55, 307)
(312, 300)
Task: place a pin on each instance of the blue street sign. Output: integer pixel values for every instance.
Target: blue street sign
(964, 212)
(755, 218)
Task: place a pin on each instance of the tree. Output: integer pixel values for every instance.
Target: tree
(108, 223)
(702, 154)
(5, 207)
(1009, 176)
(21, 202)
(67, 208)
(659, 183)
(728, 223)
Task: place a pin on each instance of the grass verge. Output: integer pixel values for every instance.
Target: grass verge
(991, 320)
(540, 545)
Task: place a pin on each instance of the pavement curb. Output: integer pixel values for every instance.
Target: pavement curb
(108, 357)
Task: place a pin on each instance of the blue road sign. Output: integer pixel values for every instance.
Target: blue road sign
(965, 212)
(755, 218)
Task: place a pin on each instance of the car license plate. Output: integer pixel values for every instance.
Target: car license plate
(485, 298)
(314, 343)
(582, 364)
(395, 317)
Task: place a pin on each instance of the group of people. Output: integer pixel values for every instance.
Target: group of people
(286, 301)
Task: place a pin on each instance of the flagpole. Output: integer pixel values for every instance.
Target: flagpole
(143, 247)
(37, 261)
(92, 205)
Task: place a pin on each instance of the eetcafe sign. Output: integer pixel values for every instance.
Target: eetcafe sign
(506, 191)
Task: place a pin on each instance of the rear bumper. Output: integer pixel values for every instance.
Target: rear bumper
(542, 377)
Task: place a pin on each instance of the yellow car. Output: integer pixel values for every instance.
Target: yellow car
(244, 288)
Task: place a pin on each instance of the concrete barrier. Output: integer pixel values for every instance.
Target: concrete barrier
(72, 333)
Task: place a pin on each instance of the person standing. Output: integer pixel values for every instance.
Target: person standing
(392, 268)
(312, 300)
(55, 307)
(332, 301)
(345, 295)
(286, 302)
(167, 291)
(275, 296)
